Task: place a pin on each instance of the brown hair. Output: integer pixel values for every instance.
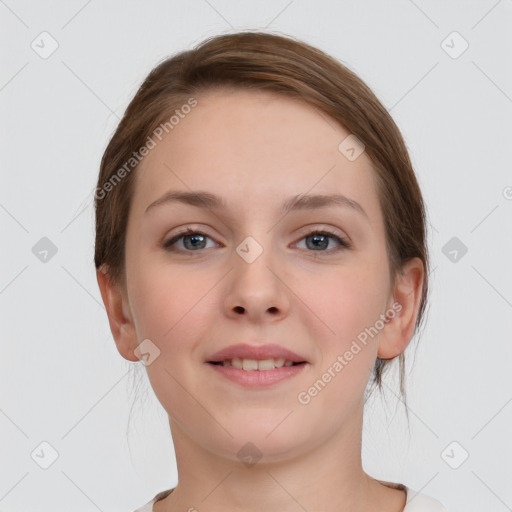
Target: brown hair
(264, 61)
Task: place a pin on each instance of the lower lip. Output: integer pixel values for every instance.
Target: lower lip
(258, 378)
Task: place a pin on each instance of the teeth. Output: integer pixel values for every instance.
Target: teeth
(253, 364)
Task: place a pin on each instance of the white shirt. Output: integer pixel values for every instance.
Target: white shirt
(416, 502)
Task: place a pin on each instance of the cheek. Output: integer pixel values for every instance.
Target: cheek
(346, 307)
(171, 310)
(341, 305)
(168, 304)
(346, 346)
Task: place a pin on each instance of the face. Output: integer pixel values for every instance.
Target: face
(295, 285)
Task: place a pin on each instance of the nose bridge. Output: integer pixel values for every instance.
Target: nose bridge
(252, 259)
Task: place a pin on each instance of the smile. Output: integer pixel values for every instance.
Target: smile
(257, 373)
(255, 364)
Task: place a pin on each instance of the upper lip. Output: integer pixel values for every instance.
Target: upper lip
(259, 352)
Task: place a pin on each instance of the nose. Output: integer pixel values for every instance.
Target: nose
(257, 289)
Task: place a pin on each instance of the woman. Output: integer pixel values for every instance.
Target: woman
(260, 247)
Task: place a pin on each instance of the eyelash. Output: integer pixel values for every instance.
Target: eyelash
(343, 243)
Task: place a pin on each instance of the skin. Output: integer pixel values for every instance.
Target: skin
(256, 150)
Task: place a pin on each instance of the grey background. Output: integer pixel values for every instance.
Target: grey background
(63, 381)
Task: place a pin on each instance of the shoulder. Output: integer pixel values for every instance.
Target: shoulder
(418, 502)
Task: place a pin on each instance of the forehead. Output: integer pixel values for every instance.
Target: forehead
(255, 144)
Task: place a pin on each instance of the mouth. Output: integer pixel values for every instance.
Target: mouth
(257, 373)
(257, 365)
(249, 357)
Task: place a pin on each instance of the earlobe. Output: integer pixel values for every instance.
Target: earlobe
(121, 325)
(399, 330)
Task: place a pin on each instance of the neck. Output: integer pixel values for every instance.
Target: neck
(326, 475)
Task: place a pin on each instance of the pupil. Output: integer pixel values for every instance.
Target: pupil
(316, 238)
(194, 239)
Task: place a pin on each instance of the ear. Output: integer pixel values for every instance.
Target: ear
(398, 330)
(118, 314)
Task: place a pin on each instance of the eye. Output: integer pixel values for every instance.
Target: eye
(319, 240)
(192, 240)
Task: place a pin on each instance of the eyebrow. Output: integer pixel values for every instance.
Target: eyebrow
(210, 201)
